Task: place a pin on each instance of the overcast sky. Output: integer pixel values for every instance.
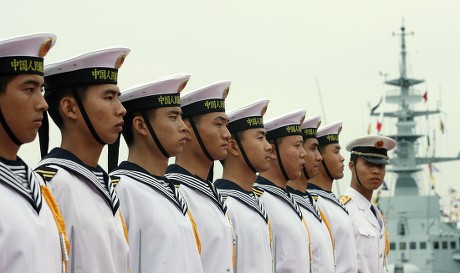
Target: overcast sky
(287, 51)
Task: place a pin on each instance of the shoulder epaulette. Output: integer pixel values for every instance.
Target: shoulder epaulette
(46, 173)
(344, 199)
(114, 180)
(257, 191)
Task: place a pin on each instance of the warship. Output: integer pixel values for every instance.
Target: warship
(421, 239)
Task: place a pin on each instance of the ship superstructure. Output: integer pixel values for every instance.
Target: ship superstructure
(419, 240)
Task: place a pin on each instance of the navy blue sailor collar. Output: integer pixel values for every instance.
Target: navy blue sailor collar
(175, 168)
(7, 177)
(305, 200)
(179, 175)
(64, 154)
(230, 185)
(311, 186)
(73, 164)
(267, 185)
(303, 194)
(159, 183)
(130, 166)
(230, 188)
(316, 191)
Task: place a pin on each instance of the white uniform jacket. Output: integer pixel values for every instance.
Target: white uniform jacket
(209, 212)
(341, 227)
(369, 230)
(29, 238)
(90, 211)
(161, 237)
(250, 226)
(323, 252)
(291, 242)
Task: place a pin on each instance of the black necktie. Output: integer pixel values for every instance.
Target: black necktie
(374, 212)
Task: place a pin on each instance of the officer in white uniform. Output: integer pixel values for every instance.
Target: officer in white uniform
(248, 153)
(30, 238)
(161, 232)
(321, 236)
(367, 164)
(203, 111)
(292, 248)
(84, 103)
(320, 187)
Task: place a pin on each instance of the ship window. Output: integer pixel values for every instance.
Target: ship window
(401, 228)
(412, 245)
(422, 245)
(453, 245)
(444, 245)
(393, 245)
(436, 245)
(402, 245)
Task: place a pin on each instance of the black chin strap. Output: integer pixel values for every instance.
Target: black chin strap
(86, 118)
(278, 157)
(356, 173)
(154, 136)
(326, 169)
(200, 141)
(8, 130)
(203, 148)
(112, 159)
(44, 135)
(248, 162)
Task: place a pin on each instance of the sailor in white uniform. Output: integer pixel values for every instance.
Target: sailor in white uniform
(161, 232)
(203, 111)
(31, 239)
(320, 187)
(292, 249)
(321, 235)
(367, 164)
(248, 153)
(84, 103)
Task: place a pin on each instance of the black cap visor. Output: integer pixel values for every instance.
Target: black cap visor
(375, 160)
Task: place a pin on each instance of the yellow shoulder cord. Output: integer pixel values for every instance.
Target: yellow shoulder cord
(272, 251)
(125, 228)
(309, 244)
(65, 246)
(269, 225)
(234, 241)
(387, 241)
(387, 244)
(125, 231)
(324, 218)
(195, 231)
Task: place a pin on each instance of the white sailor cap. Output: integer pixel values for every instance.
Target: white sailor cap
(248, 117)
(24, 55)
(207, 99)
(310, 127)
(97, 67)
(329, 134)
(372, 148)
(285, 125)
(164, 92)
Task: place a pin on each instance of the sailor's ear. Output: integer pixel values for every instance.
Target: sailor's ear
(139, 125)
(351, 165)
(68, 107)
(233, 147)
(272, 152)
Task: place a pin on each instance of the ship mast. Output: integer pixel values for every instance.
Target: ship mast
(405, 163)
